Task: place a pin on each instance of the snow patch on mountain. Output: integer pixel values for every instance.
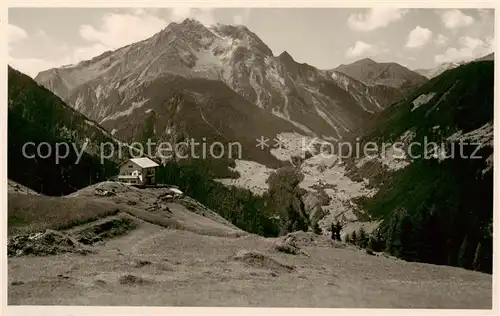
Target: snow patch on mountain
(272, 74)
(257, 88)
(98, 91)
(422, 99)
(127, 112)
(341, 79)
(78, 103)
(304, 128)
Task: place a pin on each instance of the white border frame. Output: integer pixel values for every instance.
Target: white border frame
(80, 310)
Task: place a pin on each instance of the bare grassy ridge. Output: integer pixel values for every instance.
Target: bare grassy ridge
(30, 214)
(191, 264)
(33, 213)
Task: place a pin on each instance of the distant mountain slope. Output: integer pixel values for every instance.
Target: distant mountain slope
(203, 110)
(438, 206)
(490, 57)
(388, 74)
(436, 71)
(315, 101)
(36, 115)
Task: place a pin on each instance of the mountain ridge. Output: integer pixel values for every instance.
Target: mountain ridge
(391, 74)
(307, 97)
(436, 71)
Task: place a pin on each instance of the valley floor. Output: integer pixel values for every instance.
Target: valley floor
(153, 264)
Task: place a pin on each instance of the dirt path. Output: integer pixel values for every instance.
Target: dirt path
(208, 262)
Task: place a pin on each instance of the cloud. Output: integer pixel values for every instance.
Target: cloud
(145, 11)
(453, 19)
(113, 31)
(375, 18)
(118, 30)
(418, 37)
(470, 48)
(203, 15)
(238, 19)
(360, 48)
(41, 33)
(32, 66)
(441, 40)
(15, 34)
(486, 15)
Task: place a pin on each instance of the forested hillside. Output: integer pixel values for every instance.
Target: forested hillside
(36, 115)
(439, 209)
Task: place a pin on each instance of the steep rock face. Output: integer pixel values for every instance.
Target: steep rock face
(313, 100)
(206, 110)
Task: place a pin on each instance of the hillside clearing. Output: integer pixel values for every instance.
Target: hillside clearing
(177, 257)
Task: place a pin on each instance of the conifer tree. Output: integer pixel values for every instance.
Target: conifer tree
(370, 243)
(462, 254)
(338, 229)
(476, 265)
(362, 238)
(354, 238)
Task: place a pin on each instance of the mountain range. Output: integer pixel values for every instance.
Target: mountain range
(223, 83)
(436, 71)
(194, 61)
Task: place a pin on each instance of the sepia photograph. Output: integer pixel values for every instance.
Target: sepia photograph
(313, 157)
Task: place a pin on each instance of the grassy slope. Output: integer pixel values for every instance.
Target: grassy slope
(181, 268)
(34, 213)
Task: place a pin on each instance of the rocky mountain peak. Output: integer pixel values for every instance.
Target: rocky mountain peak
(366, 61)
(285, 56)
(242, 35)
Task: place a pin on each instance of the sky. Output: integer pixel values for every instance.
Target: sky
(43, 38)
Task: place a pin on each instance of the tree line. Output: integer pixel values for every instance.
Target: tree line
(277, 212)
